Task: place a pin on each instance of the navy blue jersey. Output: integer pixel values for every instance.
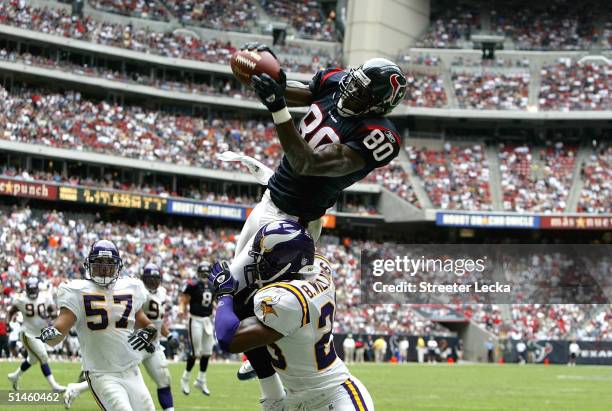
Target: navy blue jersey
(375, 138)
(201, 292)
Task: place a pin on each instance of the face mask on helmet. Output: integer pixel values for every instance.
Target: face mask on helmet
(280, 250)
(103, 264)
(32, 289)
(203, 271)
(355, 98)
(151, 278)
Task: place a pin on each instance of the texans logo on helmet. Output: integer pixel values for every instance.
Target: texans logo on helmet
(397, 87)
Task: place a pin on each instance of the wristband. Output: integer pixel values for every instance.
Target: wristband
(281, 116)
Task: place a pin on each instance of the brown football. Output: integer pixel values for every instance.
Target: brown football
(246, 63)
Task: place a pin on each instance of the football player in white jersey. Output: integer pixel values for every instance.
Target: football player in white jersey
(111, 326)
(156, 363)
(37, 309)
(294, 308)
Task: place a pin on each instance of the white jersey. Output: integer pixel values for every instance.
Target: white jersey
(154, 308)
(105, 319)
(35, 312)
(303, 311)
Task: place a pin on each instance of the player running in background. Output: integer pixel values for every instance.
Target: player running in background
(295, 306)
(112, 327)
(339, 141)
(37, 309)
(156, 363)
(198, 293)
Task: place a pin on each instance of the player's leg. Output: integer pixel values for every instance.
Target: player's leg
(73, 390)
(194, 332)
(109, 391)
(23, 367)
(351, 396)
(206, 345)
(38, 349)
(140, 397)
(157, 368)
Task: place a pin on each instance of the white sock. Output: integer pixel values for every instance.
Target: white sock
(169, 409)
(186, 375)
(272, 387)
(80, 387)
(18, 372)
(52, 381)
(202, 376)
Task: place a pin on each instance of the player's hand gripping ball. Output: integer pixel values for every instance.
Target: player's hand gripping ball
(221, 279)
(254, 59)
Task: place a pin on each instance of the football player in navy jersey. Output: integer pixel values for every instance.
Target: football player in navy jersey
(198, 294)
(339, 141)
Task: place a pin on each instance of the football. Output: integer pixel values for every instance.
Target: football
(246, 63)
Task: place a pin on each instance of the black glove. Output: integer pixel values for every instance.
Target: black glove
(48, 333)
(221, 279)
(143, 339)
(270, 92)
(253, 45)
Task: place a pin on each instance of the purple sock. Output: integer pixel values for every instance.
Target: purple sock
(45, 369)
(164, 395)
(25, 365)
(226, 322)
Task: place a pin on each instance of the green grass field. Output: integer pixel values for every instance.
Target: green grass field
(393, 387)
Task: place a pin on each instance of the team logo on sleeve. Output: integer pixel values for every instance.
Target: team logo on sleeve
(267, 306)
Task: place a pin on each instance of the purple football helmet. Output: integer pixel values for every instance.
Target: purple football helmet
(151, 277)
(103, 263)
(280, 249)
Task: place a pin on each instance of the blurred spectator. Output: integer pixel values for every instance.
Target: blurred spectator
(235, 15)
(144, 9)
(492, 91)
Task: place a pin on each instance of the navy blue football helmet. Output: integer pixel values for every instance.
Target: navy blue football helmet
(32, 288)
(280, 249)
(374, 88)
(151, 277)
(203, 270)
(103, 264)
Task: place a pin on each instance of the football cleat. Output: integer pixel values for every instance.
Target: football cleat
(246, 372)
(14, 380)
(202, 386)
(70, 395)
(59, 389)
(185, 386)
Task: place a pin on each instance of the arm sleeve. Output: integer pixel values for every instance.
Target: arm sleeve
(279, 309)
(377, 145)
(67, 297)
(141, 295)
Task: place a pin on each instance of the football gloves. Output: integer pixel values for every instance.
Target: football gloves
(221, 279)
(270, 92)
(253, 45)
(49, 333)
(143, 339)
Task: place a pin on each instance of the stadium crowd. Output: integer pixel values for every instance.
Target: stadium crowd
(425, 90)
(144, 9)
(596, 195)
(538, 184)
(239, 15)
(69, 121)
(449, 28)
(305, 16)
(455, 178)
(491, 91)
(574, 86)
(174, 44)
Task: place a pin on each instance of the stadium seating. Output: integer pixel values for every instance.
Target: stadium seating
(144, 9)
(491, 91)
(455, 178)
(596, 196)
(305, 16)
(572, 86)
(238, 15)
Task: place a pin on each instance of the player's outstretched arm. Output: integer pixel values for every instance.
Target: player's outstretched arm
(54, 334)
(252, 334)
(332, 160)
(297, 94)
